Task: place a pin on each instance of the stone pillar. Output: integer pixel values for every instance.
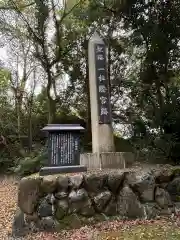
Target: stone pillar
(101, 119)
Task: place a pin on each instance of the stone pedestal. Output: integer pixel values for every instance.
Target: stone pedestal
(111, 160)
(57, 170)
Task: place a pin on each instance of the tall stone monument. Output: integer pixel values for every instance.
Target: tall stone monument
(103, 151)
(101, 117)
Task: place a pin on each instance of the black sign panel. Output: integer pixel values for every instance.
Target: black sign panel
(102, 84)
(64, 149)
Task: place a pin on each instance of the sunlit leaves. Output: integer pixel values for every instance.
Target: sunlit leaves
(4, 79)
(20, 5)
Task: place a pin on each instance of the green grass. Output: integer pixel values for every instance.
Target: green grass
(144, 232)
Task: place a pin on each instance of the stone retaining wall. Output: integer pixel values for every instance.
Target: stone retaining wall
(56, 202)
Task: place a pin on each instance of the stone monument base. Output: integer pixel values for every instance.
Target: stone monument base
(62, 169)
(111, 160)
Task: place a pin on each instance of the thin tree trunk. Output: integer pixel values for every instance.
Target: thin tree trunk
(51, 101)
(52, 110)
(160, 101)
(18, 107)
(30, 132)
(30, 124)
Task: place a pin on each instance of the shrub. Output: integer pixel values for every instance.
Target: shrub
(5, 164)
(30, 165)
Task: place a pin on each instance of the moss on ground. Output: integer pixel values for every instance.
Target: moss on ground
(143, 232)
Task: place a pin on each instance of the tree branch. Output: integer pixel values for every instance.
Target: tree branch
(26, 22)
(65, 14)
(12, 7)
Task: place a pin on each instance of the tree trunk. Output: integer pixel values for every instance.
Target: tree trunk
(160, 101)
(18, 109)
(30, 134)
(52, 110)
(30, 128)
(51, 101)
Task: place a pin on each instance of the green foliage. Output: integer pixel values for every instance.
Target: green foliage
(30, 165)
(6, 163)
(4, 78)
(123, 145)
(142, 38)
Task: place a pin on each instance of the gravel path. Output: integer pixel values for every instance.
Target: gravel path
(8, 200)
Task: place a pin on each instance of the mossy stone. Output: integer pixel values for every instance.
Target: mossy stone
(176, 172)
(61, 209)
(72, 221)
(177, 198)
(100, 217)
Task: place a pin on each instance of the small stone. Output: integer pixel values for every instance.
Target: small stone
(166, 212)
(87, 209)
(60, 195)
(111, 209)
(48, 185)
(151, 210)
(99, 218)
(76, 181)
(128, 204)
(148, 194)
(19, 226)
(144, 184)
(78, 195)
(162, 198)
(53, 199)
(176, 172)
(75, 221)
(80, 203)
(177, 208)
(47, 224)
(61, 209)
(49, 198)
(44, 209)
(173, 189)
(32, 218)
(163, 175)
(114, 182)
(95, 183)
(162, 185)
(72, 221)
(63, 183)
(101, 200)
(29, 194)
